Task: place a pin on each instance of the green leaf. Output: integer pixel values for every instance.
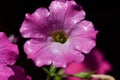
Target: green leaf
(84, 75)
(60, 72)
(52, 69)
(45, 70)
(58, 78)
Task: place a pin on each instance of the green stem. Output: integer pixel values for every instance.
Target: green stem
(50, 73)
(48, 77)
(52, 69)
(53, 73)
(45, 70)
(63, 76)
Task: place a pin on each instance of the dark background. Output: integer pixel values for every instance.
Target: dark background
(104, 15)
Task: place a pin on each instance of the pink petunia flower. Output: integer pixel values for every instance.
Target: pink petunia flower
(59, 35)
(8, 56)
(5, 72)
(12, 72)
(94, 62)
(8, 51)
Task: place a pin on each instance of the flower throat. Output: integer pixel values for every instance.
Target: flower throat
(59, 37)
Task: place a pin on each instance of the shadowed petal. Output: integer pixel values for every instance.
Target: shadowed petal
(58, 10)
(5, 72)
(66, 14)
(74, 15)
(8, 50)
(94, 61)
(19, 73)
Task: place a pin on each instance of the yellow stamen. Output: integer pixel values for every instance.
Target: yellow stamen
(59, 37)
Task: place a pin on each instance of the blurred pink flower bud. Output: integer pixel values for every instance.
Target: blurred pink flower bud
(8, 56)
(93, 62)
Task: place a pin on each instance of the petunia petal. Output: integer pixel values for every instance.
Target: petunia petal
(104, 67)
(66, 14)
(84, 28)
(8, 51)
(64, 53)
(74, 15)
(74, 67)
(58, 10)
(94, 61)
(5, 72)
(19, 73)
(35, 50)
(8, 56)
(40, 52)
(44, 53)
(3, 39)
(6, 43)
(34, 24)
(83, 44)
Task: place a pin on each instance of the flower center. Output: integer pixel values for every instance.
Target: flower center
(59, 37)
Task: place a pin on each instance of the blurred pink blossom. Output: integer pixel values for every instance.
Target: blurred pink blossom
(19, 73)
(94, 62)
(59, 35)
(12, 72)
(8, 56)
(5, 72)
(8, 51)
